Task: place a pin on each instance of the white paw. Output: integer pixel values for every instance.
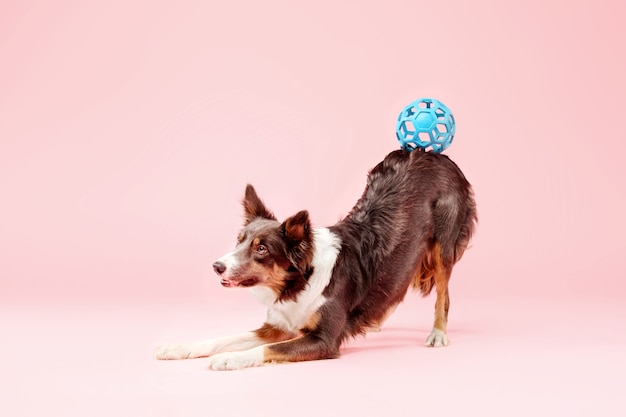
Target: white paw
(229, 361)
(437, 338)
(167, 352)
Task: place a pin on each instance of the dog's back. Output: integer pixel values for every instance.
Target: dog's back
(412, 223)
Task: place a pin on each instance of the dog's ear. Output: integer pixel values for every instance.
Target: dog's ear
(253, 207)
(299, 238)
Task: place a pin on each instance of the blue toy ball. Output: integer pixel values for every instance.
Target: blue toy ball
(423, 123)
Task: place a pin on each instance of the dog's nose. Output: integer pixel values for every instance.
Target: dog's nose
(219, 268)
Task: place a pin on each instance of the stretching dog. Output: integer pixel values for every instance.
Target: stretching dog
(322, 286)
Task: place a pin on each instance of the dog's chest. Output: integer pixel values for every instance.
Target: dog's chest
(289, 315)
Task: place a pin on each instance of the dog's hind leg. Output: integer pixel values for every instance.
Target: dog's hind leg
(441, 277)
(454, 216)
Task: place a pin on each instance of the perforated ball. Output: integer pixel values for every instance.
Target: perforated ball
(425, 123)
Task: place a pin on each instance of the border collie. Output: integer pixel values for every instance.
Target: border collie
(322, 286)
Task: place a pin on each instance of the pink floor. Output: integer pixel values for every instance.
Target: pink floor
(507, 357)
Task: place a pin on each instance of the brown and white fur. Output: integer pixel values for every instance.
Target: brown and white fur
(322, 286)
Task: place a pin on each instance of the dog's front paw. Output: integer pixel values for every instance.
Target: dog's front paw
(437, 338)
(230, 361)
(172, 352)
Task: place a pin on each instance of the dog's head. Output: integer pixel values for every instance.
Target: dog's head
(270, 253)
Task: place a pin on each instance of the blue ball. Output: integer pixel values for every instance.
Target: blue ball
(425, 123)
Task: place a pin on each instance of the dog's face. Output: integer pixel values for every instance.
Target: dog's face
(259, 257)
(268, 252)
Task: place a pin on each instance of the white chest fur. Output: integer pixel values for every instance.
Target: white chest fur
(293, 315)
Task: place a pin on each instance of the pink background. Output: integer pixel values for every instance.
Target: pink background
(128, 131)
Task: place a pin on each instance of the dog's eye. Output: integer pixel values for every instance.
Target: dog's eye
(261, 249)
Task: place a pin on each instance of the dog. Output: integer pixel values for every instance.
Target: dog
(322, 286)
